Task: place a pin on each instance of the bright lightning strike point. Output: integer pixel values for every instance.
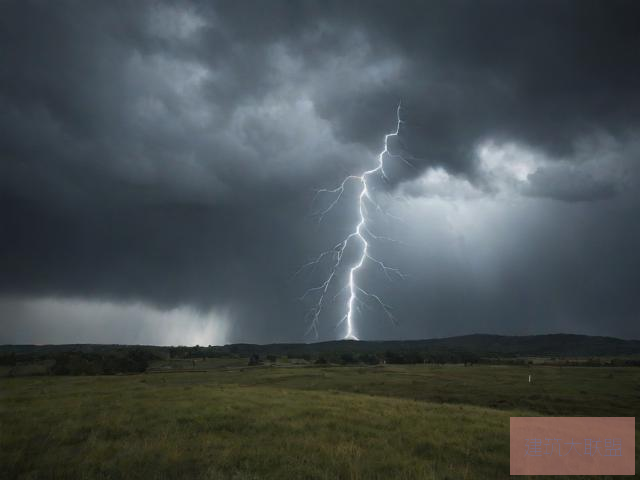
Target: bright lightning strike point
(361, 234)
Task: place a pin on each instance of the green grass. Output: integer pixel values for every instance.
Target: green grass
(554, 391)
(301, 422)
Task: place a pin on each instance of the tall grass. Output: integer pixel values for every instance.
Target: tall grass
(255, 423)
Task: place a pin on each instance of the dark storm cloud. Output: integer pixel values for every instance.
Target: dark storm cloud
(567, 184)
(169, 153)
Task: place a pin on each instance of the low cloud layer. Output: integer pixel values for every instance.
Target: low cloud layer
(166, 157)
(51, 320)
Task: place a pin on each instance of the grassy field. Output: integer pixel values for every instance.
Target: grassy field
(231, 421)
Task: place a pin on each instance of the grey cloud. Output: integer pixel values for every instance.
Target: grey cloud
(567, 183)
(168, 154)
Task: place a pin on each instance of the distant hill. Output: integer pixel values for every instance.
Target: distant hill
(560, 345)
(478, 345)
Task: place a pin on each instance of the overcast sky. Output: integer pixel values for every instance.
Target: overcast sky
(159, 163)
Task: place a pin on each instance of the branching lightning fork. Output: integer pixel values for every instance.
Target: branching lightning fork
(361, 234)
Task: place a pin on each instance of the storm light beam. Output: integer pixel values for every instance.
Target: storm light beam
(361, 234)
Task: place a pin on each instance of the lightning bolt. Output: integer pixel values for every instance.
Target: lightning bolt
(361, 234)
